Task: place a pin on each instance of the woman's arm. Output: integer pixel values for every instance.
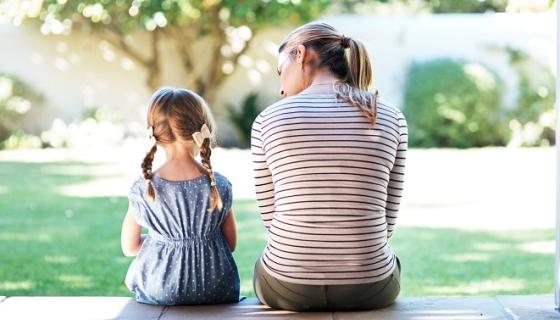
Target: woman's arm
(229, 229)
(131, 239)
(264, 187)
(396, 179)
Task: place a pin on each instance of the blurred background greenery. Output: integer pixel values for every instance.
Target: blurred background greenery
(449, 102)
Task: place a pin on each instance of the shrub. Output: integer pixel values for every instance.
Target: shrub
(451, 103)
(21, 140)
(16, 100)
(242, 117)
(532, 120)
(84, 133)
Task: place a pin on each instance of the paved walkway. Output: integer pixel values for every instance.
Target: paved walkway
(418, 308)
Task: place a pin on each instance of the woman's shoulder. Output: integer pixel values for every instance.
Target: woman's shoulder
(281, 103)
(388, 108)
(394, 116)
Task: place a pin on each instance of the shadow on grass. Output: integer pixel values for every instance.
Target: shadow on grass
(459, 262)
(54, 244)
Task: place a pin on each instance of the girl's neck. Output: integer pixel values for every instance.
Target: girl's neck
(179, 164)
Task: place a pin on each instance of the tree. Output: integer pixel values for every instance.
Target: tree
(445, 6)
(228, 26)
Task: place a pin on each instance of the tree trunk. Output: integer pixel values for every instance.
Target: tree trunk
(116, 38)
(206, 84)
(209, 84)
(153, 67)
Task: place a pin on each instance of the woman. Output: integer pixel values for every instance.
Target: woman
(329, 168)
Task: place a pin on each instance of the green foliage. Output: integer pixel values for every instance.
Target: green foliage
(242, 118)
(532, 120)
(442, 6)
(16, 100)
(453, 104)
(129, 16)
(100, 114)
(466, 6)
(21, 140)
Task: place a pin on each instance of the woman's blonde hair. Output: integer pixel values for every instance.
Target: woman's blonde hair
(173, 114)
(345, 57)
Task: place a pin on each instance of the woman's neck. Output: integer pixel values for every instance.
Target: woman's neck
(323, 83)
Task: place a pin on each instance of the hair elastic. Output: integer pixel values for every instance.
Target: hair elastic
(345, 41)
(151, 135)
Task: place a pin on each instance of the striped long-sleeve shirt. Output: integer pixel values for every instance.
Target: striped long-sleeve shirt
(328, 186)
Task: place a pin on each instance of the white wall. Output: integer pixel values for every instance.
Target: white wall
(77, 71)
(72, 72)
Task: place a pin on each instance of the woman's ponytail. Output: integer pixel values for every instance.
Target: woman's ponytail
(359, 68)
(354, 87)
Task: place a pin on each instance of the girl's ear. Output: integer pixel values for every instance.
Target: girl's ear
(300, 54)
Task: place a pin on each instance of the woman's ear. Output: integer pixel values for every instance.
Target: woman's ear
(300, 54)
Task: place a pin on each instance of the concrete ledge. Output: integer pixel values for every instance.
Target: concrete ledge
(529, 307)
(433, 308)
(76, 308)
(249, 308)
(417, 308)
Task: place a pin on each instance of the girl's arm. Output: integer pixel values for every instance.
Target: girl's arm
(131, 239)
(230, 230)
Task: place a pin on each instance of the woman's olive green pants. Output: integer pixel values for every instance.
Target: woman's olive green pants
(284, 295)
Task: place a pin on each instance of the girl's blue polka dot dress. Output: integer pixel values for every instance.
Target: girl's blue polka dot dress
(185, 259)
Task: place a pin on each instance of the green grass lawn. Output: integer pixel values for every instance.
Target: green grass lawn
(54, 244)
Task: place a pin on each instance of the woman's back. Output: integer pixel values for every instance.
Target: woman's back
(185, 258)
(328, 186)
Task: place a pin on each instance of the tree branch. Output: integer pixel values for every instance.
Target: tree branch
(218, 37)
(183, 40)
(154, 73)
(221, 77)
(116, 38)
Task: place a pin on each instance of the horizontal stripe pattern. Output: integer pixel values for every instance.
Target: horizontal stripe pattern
(328, 186)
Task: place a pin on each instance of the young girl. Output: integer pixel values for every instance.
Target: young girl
(186, 257)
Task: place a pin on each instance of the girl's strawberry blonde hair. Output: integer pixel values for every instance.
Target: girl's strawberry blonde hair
(179, 114)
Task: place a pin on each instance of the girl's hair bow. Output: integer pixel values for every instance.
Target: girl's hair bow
(199, 136)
